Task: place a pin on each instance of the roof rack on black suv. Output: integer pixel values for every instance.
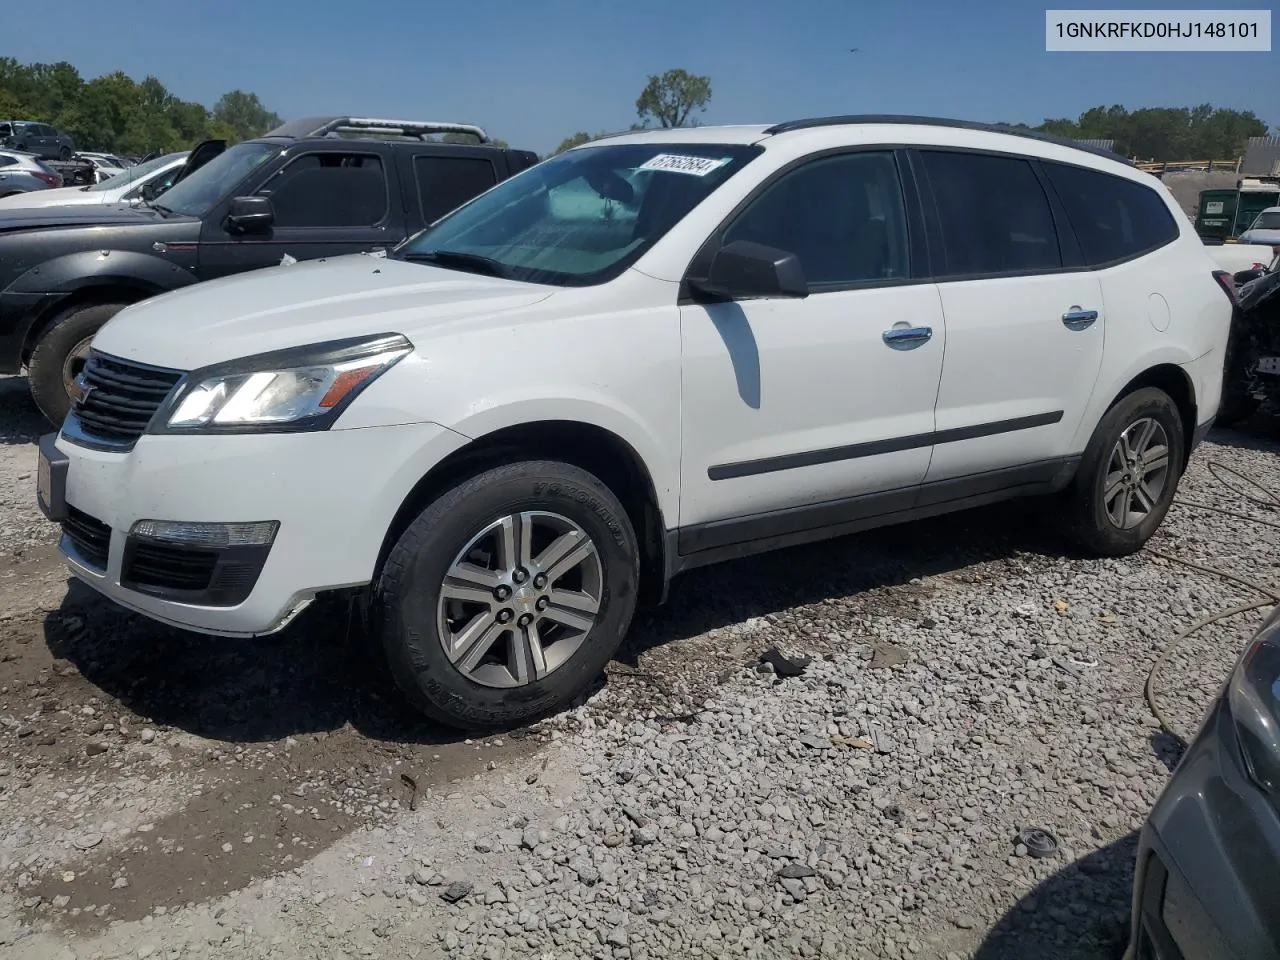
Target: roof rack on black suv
(375, 127)
(942, 122)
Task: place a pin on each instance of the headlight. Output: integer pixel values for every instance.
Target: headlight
(1254, 697)
(289, 390)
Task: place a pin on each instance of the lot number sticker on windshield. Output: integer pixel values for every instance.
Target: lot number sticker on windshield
(680, 163)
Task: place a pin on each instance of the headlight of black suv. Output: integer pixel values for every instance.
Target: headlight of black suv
(304, 388)
(1254, 697)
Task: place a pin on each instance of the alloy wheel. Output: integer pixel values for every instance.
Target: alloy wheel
(520, 598)
(1137, 473)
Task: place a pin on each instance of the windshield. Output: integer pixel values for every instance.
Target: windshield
(1267, 220)
(580, 218)
(205, 188)
(135, 173)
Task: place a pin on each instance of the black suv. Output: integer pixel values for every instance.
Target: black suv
(311, 188)
(40, 139)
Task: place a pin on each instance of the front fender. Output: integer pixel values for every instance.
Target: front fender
(102, 268)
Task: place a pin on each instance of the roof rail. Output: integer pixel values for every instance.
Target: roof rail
(943, 122)
(324, 126)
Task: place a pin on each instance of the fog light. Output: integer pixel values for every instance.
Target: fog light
(211, 535)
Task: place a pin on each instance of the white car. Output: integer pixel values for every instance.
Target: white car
(536, 412)
(154, 175)
(1265, 229)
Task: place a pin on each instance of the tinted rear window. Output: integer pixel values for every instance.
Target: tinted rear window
(995, 217)
(1115, 219)
(446, 183)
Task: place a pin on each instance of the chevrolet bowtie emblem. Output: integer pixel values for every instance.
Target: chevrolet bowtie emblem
(80, 390)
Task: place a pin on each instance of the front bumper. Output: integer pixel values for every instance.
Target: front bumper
(1204, 885)
(334, 494)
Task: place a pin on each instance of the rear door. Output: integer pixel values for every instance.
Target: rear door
(442, 179)
(1025, 324)
(328, 201)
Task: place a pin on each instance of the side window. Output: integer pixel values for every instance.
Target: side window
(842, 216)
(7, 161)
(446, 183)
(1114, 218)
(995, 215)
(328, 190)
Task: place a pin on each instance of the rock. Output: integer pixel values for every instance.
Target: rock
(458, 890)
(885, 655)
(86, 841)
(815, 742)
(587, 872)
(797, 871)
(643, 836)
(95, 748)
(784, 666)
(146, 735)
(493, 896)
(422, 877)
(617, 937)
(796, 889)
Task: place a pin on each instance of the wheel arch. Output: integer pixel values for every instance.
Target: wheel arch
(1176, 382)
(593, 448)
(126, 291)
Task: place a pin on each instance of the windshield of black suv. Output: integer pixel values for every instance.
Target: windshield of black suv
(133, 173)
(580, 218)
(205, 188)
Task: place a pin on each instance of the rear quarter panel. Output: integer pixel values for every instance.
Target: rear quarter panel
(1162, 308)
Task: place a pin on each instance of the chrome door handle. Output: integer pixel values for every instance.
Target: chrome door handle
(1077, 319)
(905, 336)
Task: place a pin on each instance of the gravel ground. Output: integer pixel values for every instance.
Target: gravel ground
(166, 795)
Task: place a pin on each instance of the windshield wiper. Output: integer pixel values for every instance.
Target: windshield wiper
(471, 262)
(162, 210)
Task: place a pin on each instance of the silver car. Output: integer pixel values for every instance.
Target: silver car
(141, 182)
(24, 173)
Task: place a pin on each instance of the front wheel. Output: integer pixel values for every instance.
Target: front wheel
(1128, 474)
(60, 354)
(508, 594)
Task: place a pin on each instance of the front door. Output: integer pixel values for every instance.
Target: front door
(1024, 332)
(806, 413)
(327, 202)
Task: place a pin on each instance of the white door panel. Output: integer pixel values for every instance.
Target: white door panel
(1017, 377)
(794, 402)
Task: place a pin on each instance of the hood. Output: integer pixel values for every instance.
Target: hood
(1268, 237)
(46, 198)
(308, 302)
(96, 215)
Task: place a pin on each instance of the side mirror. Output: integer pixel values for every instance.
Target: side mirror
(250, 215)
(743, 270)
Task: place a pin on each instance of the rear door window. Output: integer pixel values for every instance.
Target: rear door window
(328, 189)
(995, 217)
(1115, 219)
(446, 183)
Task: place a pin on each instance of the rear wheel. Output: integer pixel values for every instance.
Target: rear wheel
(64, 153)
(1128, 475)
(60, 353)
(507, 596)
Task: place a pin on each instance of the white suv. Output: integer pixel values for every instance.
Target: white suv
(649, 353)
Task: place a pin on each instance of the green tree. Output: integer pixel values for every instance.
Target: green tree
(672, 98)
(117, 114)
(245, 114)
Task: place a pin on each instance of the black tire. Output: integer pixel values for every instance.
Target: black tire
(408, 591)
(1089, 522)
(64, 153)
(63, 334)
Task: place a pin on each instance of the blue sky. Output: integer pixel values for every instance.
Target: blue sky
(534, 72)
